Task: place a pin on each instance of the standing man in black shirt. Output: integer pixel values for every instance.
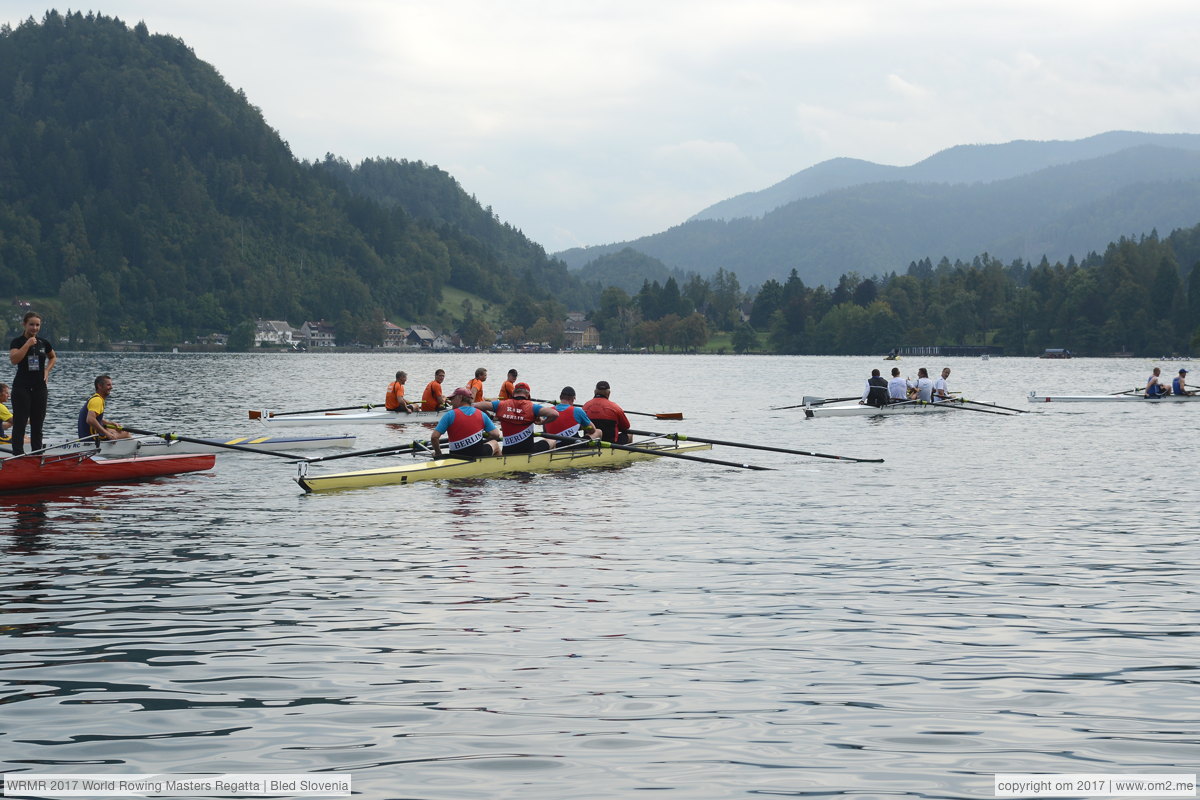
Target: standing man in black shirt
(34, 358)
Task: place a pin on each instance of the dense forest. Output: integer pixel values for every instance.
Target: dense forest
(146, 199)
(1133, 298)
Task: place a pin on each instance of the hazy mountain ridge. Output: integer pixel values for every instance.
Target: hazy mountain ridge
(967, 163)
(880, 227)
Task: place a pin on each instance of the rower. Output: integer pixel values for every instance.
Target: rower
(922, 388)
(91, 420)
(469, 432)
(608, 416)
(5, 415)
(876, 391)
(1179, 384)
(476, 385)
(897, 387)
(1154, 386)
(394, 399)
(940, 392)
(517, 416)
(572, 420)
(433, 399)
(506, 388)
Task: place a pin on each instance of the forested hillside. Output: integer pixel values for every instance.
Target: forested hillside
(155, 202)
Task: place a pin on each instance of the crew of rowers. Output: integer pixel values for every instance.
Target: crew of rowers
(467, 429)
(1155, 386)
(881, 391)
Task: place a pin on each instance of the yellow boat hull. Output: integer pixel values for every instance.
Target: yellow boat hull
(455, 468)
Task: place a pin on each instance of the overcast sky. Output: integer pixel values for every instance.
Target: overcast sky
(595, 122)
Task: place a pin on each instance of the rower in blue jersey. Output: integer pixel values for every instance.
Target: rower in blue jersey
(1179, 384)
(1154, 385)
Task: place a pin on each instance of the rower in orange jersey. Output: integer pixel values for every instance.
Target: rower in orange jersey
(506, 388)
(394, 399)
(433, 399)
(476, 384)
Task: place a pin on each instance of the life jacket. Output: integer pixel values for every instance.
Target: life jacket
(466, 430)
(82, 427)
(878, 393)
(394, 399)
(566, 424)
(516, 417)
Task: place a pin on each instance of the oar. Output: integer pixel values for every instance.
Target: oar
(269, 414)
(1126, 391)
(682, 438)
(992, 405)
(958, 406)
(665, 453)
(395, 449)
(659, 415)
(89, 438)
(171, 437)
(816, 401)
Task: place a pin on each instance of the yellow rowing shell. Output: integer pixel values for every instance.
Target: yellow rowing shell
(454, 468)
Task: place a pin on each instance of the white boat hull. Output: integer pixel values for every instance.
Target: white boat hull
(1034, 397)
(375, 417)
(858, 410)
(156, 446)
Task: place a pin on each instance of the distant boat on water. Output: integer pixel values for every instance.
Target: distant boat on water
(1056, 352)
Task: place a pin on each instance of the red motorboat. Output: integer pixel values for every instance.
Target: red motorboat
(40, 471)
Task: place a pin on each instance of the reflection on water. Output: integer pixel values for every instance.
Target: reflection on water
(1001, 595)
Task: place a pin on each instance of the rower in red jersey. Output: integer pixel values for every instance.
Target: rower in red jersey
(469, 432)
(608, 416)
(517, 416)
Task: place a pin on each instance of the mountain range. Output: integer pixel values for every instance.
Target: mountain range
(1020, 200)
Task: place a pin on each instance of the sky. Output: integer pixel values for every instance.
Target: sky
(586, 123)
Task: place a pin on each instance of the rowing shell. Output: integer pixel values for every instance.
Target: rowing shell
(451, 468)
(42, 471)
(156, 446)
(860, 410)
(375, 417)
(1034, 397)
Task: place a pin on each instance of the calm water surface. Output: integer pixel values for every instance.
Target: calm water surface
(1001, 595)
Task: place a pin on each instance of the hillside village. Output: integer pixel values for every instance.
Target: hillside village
(577, 334)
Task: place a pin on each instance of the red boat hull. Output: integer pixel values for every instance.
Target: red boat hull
(26, 473)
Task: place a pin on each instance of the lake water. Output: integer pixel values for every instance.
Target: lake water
(1003, 594)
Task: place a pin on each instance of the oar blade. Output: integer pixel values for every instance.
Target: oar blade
(669, 415)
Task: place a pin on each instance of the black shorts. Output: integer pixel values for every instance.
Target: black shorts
(477, 450)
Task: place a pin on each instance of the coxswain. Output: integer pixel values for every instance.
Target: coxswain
(433, 399)
(517, 415)
(607, 415)
(34, 357)
(1154, 386)
(572, 420)
(91, 420)
(469, 432)
(922, 388)
(941, 392)
(506, 388)
(1179, 384)
(476, 385)
(876, 391)
(897, 387)
(394, 399)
